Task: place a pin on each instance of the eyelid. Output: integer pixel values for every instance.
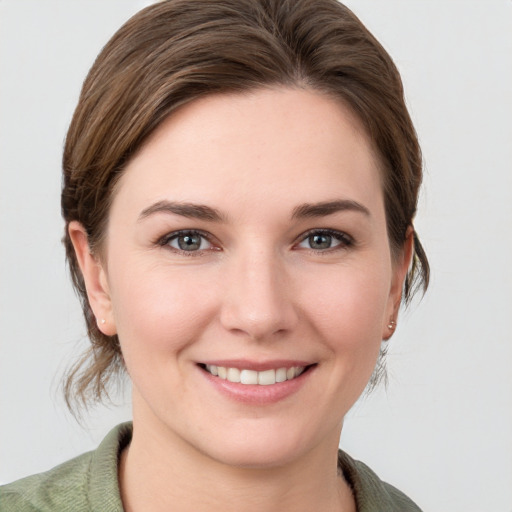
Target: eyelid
(164, 240)
(345, 239)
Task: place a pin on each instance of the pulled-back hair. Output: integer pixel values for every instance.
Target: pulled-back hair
(176, 51)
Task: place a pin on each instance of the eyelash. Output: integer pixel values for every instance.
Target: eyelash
(345, 241)
(166, 239)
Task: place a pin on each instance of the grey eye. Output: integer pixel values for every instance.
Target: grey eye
(320, 241)
(323, 240)
(189, 242)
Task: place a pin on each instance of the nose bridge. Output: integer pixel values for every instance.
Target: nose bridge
(257, 301)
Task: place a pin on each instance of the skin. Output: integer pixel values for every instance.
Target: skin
(255, 290)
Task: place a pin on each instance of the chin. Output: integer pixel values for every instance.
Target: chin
(256, 457)
(264, 446)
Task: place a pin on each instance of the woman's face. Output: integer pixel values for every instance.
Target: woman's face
(248, 239)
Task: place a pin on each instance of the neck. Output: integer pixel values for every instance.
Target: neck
(159, 471)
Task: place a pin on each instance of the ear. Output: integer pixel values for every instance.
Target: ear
(95, 279)
(400, 268)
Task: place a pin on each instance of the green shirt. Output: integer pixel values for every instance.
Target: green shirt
(89, 483)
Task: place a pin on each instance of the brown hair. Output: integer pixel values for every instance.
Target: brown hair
(178, 50)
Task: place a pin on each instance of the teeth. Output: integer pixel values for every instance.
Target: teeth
(233, 375)
(263, 378)
(267, 377)
(281, 375)
(248, 377)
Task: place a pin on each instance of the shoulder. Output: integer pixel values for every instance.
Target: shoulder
(53, 490)
(74, 485)
(370, 492)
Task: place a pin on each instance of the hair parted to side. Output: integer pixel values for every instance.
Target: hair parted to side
(176, 51)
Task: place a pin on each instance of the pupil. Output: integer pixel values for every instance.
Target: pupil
(320, 241)
(189, 242)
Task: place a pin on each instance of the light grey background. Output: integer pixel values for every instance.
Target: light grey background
(442, 431)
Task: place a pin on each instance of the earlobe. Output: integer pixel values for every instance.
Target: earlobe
(95, 279)
(404, 263)
(400, 269)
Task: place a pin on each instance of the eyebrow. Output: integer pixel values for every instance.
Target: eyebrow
(203, 212)
(322, 209)
(190, 210)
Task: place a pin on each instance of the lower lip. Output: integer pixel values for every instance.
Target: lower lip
(258, 394)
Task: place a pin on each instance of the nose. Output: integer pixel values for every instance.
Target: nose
(258, 300)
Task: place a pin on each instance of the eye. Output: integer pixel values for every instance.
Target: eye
(325, 239)
(187, 241)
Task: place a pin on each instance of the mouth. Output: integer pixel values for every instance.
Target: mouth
(251, 377)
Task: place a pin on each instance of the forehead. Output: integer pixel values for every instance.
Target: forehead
(285, 145)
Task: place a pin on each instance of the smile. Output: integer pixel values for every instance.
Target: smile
(253, 377)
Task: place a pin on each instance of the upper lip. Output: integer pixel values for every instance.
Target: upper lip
(259, 366)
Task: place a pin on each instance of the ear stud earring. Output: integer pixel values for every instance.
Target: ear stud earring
(102, 320)
(392, 325)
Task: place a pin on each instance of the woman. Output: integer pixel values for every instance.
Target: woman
(240, 181)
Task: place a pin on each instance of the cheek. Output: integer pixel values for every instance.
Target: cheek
(159, 310)
(349, 305)
(346, 312)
